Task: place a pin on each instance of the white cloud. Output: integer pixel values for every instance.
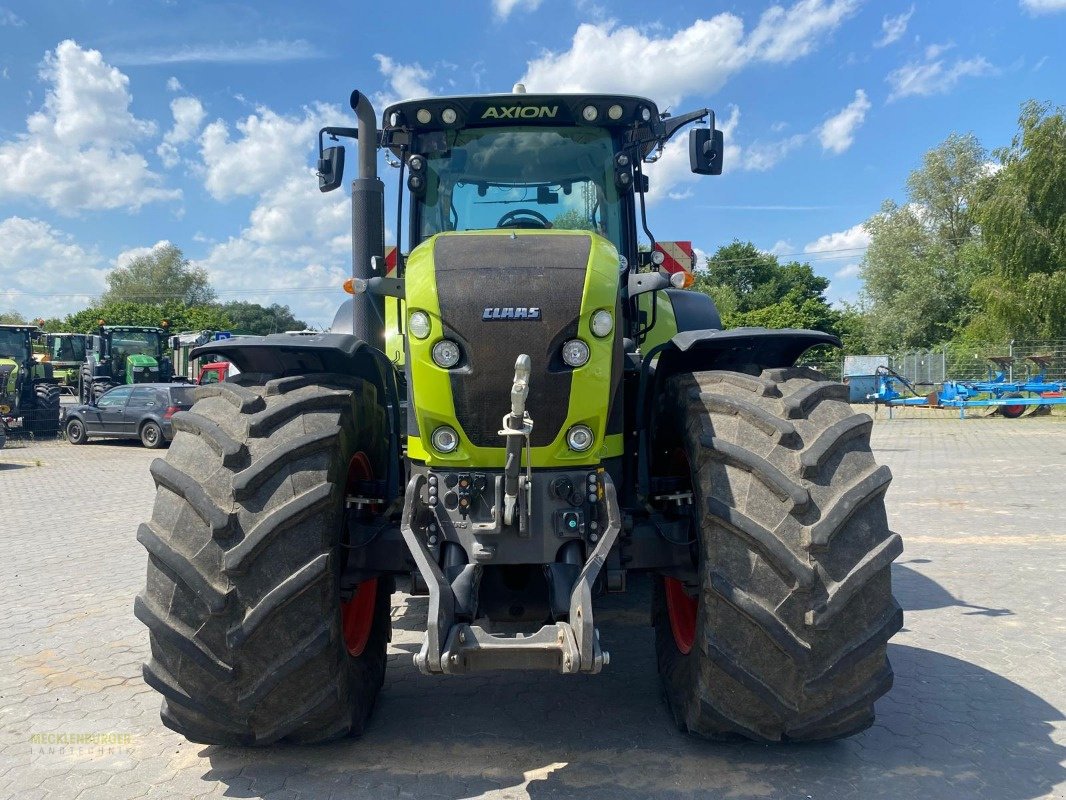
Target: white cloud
(262, 51)
(934, 75)
(270, 148)
(299, 241)
(503, 8)
(173, 84)
(848, 271)
(78, 151)
(405, 81)
(296, 245)
(846, 244)
(838, 132)
(893, 28)
(126, 257)
(1044, 6)
(43, 271)
(10, 18)
(188, 117)
(761, 156)
(697, 58)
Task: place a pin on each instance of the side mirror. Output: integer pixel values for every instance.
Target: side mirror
(330, 168)
(705, 148)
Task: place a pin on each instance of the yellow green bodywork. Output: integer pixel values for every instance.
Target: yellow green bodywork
(430, 385)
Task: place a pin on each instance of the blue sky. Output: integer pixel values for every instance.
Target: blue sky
(128, 123)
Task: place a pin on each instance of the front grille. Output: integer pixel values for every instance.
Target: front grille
(475, 272)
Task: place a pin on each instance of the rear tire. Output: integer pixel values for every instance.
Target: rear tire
(45, 414)
(152, 435)
(786, 630)
(97, 388)
(243, 597)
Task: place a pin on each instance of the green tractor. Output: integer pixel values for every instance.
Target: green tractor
(66, 353)
(123, 354)
(28, 389)
(519, 417)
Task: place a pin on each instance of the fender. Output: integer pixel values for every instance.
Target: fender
(300, 354)
(742, 349)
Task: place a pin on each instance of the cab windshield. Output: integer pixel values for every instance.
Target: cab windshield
(136, 342)
(14, 345)
(68, 348)
(520, 177)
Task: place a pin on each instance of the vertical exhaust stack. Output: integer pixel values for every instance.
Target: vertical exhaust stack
(368, 226)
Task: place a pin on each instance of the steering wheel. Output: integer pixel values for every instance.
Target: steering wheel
(523, 218)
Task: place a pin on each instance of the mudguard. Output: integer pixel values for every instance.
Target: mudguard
(302, 354)
(738, 348)
(748, 350)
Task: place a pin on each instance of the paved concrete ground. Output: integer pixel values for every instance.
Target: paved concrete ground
(976, 711)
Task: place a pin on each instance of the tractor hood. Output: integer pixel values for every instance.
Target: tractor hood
(9, 372)
(141, 368)
(497, 295)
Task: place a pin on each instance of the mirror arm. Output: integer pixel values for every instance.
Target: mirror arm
(673, 124)
(644, 282)
(333, 133)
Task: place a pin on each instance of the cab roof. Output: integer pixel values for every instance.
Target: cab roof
(496, 110)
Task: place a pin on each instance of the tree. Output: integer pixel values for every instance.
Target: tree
(11, 318)
(160, 275)
(751, 287)
(1023, 220)
(925, 256)
(177, 317)
(573, 220)
(256, 319)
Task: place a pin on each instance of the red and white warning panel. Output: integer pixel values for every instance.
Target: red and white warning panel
(677, 256)
(390, 259)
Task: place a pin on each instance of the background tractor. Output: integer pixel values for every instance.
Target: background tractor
(526, 412)
(123, 354)
(28, 390)
(66, 353)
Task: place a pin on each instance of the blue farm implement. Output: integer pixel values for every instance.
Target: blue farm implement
(998, 394)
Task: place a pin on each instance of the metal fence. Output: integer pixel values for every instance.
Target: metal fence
(957, 362)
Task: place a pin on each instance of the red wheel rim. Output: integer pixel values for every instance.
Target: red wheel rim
(357, 615)
(1013, 412)
(682, 612)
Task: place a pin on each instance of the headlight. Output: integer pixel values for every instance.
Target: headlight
(446, 353)
(447, 116)
(575, 353)
(444, 439)
(418, 324)
(602, 323)
(579, 438)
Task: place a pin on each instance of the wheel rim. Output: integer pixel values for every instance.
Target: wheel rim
(357, 615)
(682, 611)
(150, 434)
(1013, 412)
(681, 608)
(74, 431)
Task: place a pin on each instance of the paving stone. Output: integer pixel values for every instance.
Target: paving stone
(976, 711)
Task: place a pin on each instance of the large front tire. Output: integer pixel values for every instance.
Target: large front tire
(784, 637)
(245, 544)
